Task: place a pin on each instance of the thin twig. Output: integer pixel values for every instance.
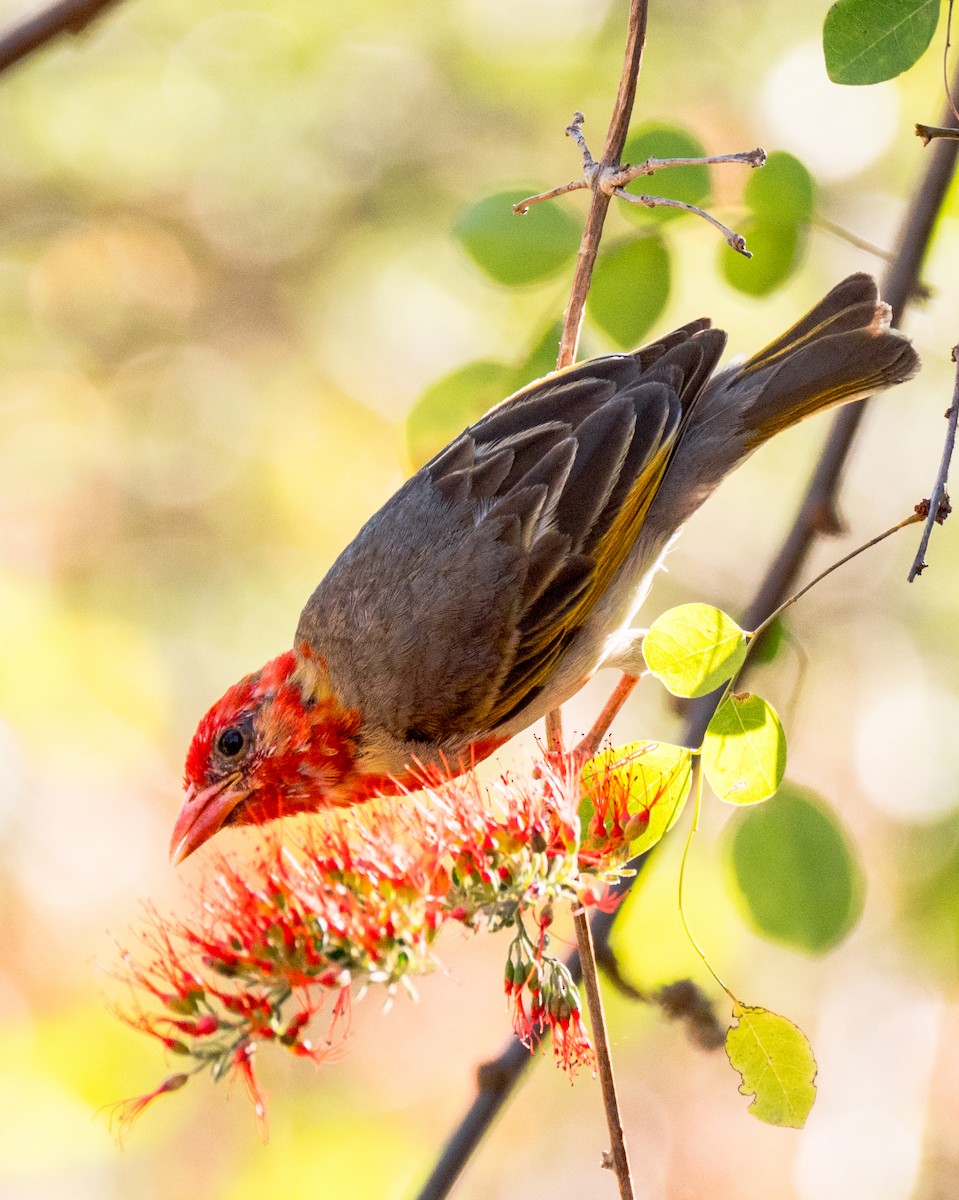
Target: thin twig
(912, 519)
(929, 132)
(612, 180)
(69, 16)
(554, 730)
(574, 185)
(945, 63)
(937, 506)
(600, 200)
(618, 1160)
(750, 158)
(733, 239)
(948, 130)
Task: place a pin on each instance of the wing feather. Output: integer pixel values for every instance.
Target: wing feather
(510, 534)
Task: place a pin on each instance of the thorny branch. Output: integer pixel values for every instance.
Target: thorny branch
(69, 16)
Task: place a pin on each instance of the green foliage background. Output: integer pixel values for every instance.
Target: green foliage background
(228, 275)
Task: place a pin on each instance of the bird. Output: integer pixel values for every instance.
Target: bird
(510, 567)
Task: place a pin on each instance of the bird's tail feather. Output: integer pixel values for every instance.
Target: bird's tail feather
(842, 350)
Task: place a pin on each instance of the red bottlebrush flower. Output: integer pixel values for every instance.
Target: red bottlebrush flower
(243, 1064)
(125, 1112)
(360, 900)
(572, 1048)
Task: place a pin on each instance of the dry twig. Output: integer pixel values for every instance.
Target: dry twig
(69, 16)
(937, 507)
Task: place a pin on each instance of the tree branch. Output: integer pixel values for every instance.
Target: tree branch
(617, 1159)
(600, 200)
(69, 16)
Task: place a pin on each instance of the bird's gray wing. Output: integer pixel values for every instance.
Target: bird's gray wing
(454, 603)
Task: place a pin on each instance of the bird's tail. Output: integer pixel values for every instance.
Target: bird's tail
(843, 350)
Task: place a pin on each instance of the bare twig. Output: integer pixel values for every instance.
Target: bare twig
(600, 200)
(524, 206)
(937, 508)
(612, 179)
(945, 63)
(912, 519)
(929, 132)
(750, 158)
(573, 319)
(618, 1160)
(554, 730)
(735, 240)
(69, 16)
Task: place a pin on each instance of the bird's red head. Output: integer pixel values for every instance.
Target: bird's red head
(276, 743)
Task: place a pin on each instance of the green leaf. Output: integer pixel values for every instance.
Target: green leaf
(782, 192)
(795, 871)
(453, 402)
(768, 646)
(630, 289)
(541, 359)
(690, 184)
(516, 249)
(781, 198)
(654, 779)
(693, 649)
(744, 750)
(866, 41)
(776, 1063)
(776, 250)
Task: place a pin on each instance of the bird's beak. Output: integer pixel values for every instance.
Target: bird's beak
(202, 814)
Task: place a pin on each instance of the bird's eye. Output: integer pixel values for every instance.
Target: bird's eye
(230, 742)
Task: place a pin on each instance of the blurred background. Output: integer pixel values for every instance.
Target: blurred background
(229, 272)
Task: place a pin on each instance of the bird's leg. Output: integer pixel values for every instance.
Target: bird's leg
(590, 743)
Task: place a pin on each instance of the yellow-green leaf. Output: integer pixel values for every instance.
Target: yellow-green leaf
(744, 751)
(694, 648)
(776, 1063)
(651, 780)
